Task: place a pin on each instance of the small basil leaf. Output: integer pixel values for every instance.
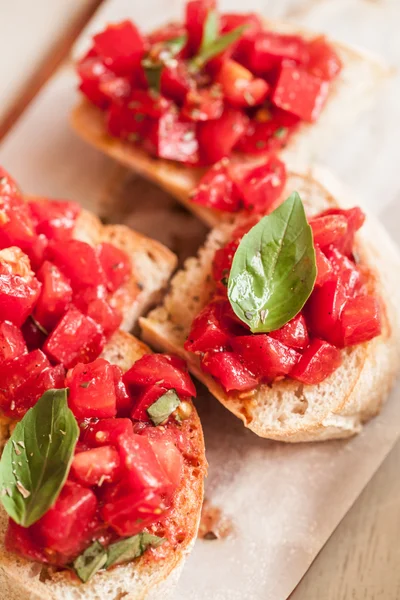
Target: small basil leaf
(210, 30)
(131, 548)
(216, 47)
(153, 71)
(274, 270)
(37, 457)
(90, 562)
(175, 45)
(160, 410)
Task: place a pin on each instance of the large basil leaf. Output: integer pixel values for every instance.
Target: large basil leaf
(221, 43)
(274, 269)
(36, 459)
(161, 409)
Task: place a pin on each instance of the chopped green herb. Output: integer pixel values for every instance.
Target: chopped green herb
(90, 561)
(220, 44)
(161, 409)
(280, 132)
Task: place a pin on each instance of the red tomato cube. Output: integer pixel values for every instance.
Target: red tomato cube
(261, 188)
(79, 262)
(65, 528)
(173, 139)
(217, 190)
(324, 268)
(77, 338)
(319, 361)
(12, 343)
(361, 320)
(106, 432)
(268, 131)
(240, 87)
(294, 334)
(323, 61)
(176, 81)
(124, 401)
(203, 104)
(196, 14)
(229, 370)
(105, 315)
(116, 265)
(92, 390)
(169, 458)
(20, 540)
(222, 262)
(265, 356)
(355, 219)
(269, 49)
(121, 47)
(323, 311)
(55, 219)
(161, 369)
(300, 92)
(217, 138)
(145, 398)
(55, 296)
(16, 226)
(208, 331)
(96, 466)
(328, 229)
(19, 288)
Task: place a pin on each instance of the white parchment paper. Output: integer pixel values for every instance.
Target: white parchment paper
(284, 501)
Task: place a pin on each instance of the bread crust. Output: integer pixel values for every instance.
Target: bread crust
(351, 93)
(155, 573)
(289, 411)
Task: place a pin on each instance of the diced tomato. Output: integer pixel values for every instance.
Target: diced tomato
(328, 229)
(93, 73)
(269, 49)
(355, 219)
(117, 89)
(196, 14)
(145, 398)
(203, 104)
(19, 288)
(121, 47)
(37, 251)
(55, 296)
(300, 92)
(79, 262)
(173, 139)
(20, 540)
(65, 528)
(8, 186)
(55, 219)
(222, 261)
(176, 81)
(128, 512)
(323, 61)
(149, 104)
(294, 334)
(22, 383)
(12, 343)
(207, 331)
(169, 458)
(108, 317)
(261, 188)
(253, 25)
(361, 320)
(268, 131)
(85, 296)
(217, 138)
(324, 268)
(267, 357)
(161, 369)
(52, 378)
(229, 370)
(319, 361)
(217, 190)
(240, 87)
(123, 122)
(16, 226)
(124, 401)
(106, 432)
(345, 269)
(323, 311)
(92, 91)
(77, 338)
(116, 265)
(96, 466)
(92, 390)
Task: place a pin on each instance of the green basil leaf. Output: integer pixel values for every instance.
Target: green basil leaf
(216, 47)
(90, 562)
(131, 548)
(37, 457)
(160, 410)
(175, 45)
(274, 269)
(210, 30)
(153, 71)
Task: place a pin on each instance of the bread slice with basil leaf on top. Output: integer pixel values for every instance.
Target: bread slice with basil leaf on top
(145, 565)
(267, 86)
(291, 376)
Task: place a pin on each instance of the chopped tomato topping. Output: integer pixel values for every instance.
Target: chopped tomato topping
(229, 370)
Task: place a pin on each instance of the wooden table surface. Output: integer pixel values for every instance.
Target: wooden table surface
(361, 559)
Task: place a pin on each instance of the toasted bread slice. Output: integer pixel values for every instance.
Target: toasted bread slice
(287, 410)
(351, 93)
(150, 576)
(152, 264)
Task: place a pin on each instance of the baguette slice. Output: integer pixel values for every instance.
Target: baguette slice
(151, 576)
(288, 410)
(152, 264)
(351, 93)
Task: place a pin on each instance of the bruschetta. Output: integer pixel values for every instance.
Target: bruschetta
(177, 101)
(326, 368)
